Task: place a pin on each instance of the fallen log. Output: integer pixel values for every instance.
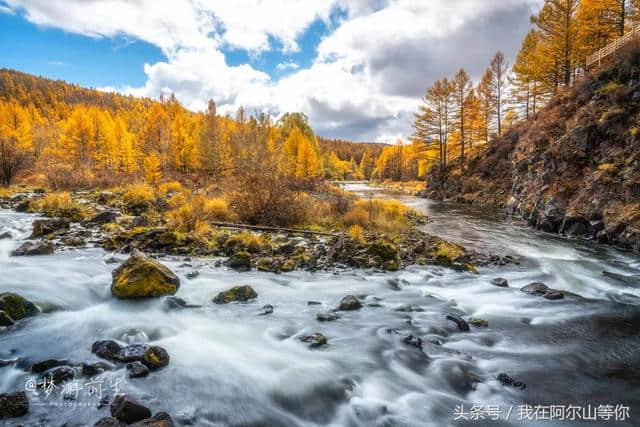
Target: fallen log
(274, 229)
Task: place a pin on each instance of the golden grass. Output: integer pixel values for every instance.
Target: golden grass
(379, 214)
(138, 194)
(356, 232)
(188, 210)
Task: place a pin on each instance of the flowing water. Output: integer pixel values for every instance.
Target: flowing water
(231, 366)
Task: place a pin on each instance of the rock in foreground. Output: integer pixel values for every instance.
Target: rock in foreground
(141, 277)
(16, 307)
(349, 302)
(33, 248)
(151, 356)
(13, 404)
(128, 410)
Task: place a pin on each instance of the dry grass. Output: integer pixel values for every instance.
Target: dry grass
(59, 204)
(138, 194)
(384, 215)
(356, 232)
(189, 212)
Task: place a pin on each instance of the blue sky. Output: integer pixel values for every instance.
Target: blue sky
(357, 68)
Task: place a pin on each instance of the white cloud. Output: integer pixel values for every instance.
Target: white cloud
(284, 66)
(6, 10)
(365, 81)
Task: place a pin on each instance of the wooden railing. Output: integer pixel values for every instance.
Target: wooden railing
(609, 50)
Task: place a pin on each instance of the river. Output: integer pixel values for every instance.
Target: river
(232, 366)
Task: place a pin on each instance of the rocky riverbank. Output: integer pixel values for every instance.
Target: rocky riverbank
(243, 250)
(573, 168)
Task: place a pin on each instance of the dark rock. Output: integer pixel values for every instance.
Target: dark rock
(349, 302)
(237, 293)
(577, 229)
(140, 221)
(161, 419)
(240, 261)
(58, 375)
(478, 323)
(267, 309)
(33, 248)
(385, 250)
(44, 227)
(535, 288)
(553, 294)
(23, 206)
(13, 404)
(176, 303)
(508, 381)
(192, 274)
(314, 303)
(109, 422)
(153, 357)
(104, 217)
(413, 341)
(315, 340)
(327, 317)
(128, 410)
(93, 369)
(141, 276)
(501, 282)
(5, 319)
(137, 370)
(45, 365)
(16, 306)
(462, 324)
(6, 235)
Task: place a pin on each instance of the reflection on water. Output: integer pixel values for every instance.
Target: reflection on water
(231, 366)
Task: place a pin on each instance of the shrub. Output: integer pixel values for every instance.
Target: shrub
(66, 177)
(247, 241)
(188, 210)
(59, 205)
(356, 216)
(356, 232)
(169, 187)
(385, 215)
(138, 197)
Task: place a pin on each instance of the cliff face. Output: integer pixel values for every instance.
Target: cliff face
(573, 168)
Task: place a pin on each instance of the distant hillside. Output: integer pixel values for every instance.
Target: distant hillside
(347, 149)
(44, 93)
(572, 168)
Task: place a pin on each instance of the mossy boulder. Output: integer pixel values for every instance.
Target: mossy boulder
(141, 276)
(240, 261)
(16, 307)
(13, 404)
(237, 293)
(42, 227)
(33, 249)
(447, 253)
(386, 251)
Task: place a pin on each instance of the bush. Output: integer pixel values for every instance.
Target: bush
(138, 197)
(169, 187)
(66, 177)
(189, 210)
(385, 215)
(59, 205)
(356, 232)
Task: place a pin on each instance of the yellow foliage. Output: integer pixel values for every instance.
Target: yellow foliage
(138, 194)
(169, 187)
(356, 232)
(55, 201)
(248, 241)
(152, 169)
(187, 211)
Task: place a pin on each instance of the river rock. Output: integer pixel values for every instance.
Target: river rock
(500, 281)
(45, 365)
(385, 250)
(153, 357)
(413, 341)
(348, 303)
(137, 370)
(192, 275)
(237, 293)
(161, 419)
(141, 276)
(5, 319)
(508, 381)
(104, 217)
(267, 309)
(16, 307)
(13, 404)
(33, 248)
(23, 206)
(462, 324)
(44, 227)
(327, 317)
(478, 323)
(314, 340)
(127, 410)
(5, 235)
(553, 294)
(58, 375)
(535, 288)
(177, 303)
(240, 261)
(109, 422)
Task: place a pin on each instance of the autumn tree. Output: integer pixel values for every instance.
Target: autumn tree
(462, 85)
(498, 69)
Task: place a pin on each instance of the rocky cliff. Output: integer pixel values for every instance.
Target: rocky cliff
(573, 168)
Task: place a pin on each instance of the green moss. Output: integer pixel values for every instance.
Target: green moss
(250, 242)
(237, 293)
(16, 306)
(447, 253)
(141, 276)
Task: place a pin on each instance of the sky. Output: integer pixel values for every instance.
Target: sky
(356, 68)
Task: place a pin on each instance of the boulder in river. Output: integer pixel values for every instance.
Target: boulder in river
(553, 294)
(152, 356)
(5, 319)
(240, 261)
(127, 410)
(13, 404)
(45, 365)
(267, 309)
(237, 293)
(33, 248)
(535, 288)
(413, 341)
(137, 369)
(508, 381)
(5, 235)
(314, 340)
(177, 303)
(141, 276)
(16, 307)
(459, 321)
(44, 227)
(500, 281)
(109, 422)
(349, 302)
(327, 317)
